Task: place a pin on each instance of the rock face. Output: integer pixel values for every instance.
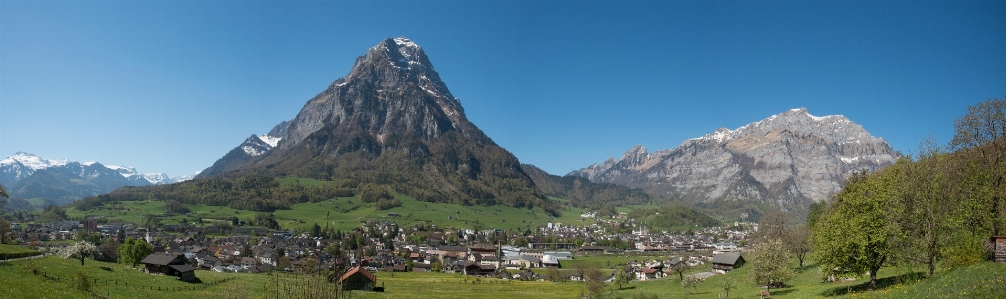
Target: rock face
(392, 121)
(788, 160)
(392, 89)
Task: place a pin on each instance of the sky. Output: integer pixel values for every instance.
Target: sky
(171, 86)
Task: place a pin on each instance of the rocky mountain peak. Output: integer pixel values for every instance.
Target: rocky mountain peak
(790, 159)
(393, 76)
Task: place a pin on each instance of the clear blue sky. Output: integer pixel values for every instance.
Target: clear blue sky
(171, 86)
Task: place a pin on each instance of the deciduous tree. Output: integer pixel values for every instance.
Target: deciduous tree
(770, 263)
(80, 251)
(855, 233)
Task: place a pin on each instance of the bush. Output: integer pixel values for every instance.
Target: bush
(965, 252)
(385, 204)
(82, 282)
(374, 193)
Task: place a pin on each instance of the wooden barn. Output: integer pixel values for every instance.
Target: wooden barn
(728, 261)
(358, 278)
(169, 264)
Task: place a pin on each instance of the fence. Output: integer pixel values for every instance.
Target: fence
(124, 284)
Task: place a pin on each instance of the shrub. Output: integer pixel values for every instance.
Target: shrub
(81, 281)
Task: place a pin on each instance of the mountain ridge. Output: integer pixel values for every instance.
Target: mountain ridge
(788, 160)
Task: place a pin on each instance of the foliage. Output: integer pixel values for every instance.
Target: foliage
(582, 193)
(173, 206)
(80, 251)
(132, 251)
(770, 263)
(692, 281)
(855, 235)
(983, 124)
(622, 277)
(680, 267)
(674, 215)
(727, 285)
(81, 282)
(5, 231)
(384, 204)
(251, 192)
(797, 241)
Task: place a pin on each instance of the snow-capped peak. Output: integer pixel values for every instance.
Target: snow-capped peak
(402, 41)
(32, 161)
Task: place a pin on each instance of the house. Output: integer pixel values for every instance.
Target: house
(247, 262)
(358, 278)
(998, 248)
(480, 270)
(727, 261)
(170, 264)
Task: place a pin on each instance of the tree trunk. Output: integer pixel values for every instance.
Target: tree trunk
(873, 280)
(82, 261)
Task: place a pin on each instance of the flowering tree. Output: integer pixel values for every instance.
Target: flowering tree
(80, 251)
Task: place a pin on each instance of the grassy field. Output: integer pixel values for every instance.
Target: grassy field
(343, 213)
(14, 249)
(984, 280)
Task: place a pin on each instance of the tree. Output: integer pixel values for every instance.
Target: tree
(316, 230)
(769, 263)
(772, 226)
(3, 197)
(680, 266)
(798, 242)
(984, 124)
(622, 277)
(80, 251)
(5, 231)
(727, 285)
(692, 281)
(594, 279)
(132, 251)
(855, 233)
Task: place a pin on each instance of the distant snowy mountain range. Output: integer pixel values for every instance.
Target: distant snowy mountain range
(28, 176)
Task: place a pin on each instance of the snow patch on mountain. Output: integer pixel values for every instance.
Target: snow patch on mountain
(270, 140)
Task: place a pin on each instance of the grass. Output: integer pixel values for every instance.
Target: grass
(984, 280)
(4, 248)
(343, 213)
(346, 213)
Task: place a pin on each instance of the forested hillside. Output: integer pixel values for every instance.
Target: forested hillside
(583, 193)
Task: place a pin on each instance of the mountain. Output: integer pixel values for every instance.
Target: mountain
(392, 121)
(581, 192)
(248, 150)
(788, 160)
(22, 165)
(59, 181)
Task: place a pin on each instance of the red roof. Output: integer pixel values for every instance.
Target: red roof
(360, 270)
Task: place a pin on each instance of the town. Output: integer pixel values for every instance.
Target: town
(383, 246)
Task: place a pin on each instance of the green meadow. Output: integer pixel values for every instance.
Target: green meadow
(983, 280)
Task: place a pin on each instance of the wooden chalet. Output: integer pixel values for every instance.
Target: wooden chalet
(358, 278)
(728, 261)
(169, 264)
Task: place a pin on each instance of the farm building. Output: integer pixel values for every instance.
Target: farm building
(169, 264)
(727, 261)
(358, 278)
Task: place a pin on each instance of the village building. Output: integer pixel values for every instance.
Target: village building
(169, 264)
(725, 262)
(358, 278)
